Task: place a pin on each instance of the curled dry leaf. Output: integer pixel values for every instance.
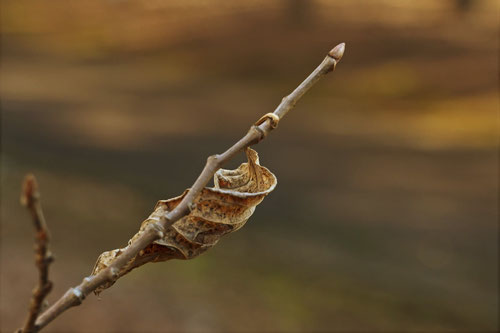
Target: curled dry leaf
(215, 212)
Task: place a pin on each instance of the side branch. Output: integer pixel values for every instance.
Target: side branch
(74, 296)
(30, 197)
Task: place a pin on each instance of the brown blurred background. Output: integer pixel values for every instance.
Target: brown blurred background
(385, 215)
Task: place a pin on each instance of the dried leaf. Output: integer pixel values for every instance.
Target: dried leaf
(215, 212)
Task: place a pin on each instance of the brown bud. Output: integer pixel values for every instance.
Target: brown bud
(29, 191)
(337, 52)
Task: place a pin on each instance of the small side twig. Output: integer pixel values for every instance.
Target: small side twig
(30, 198)
(75, 296)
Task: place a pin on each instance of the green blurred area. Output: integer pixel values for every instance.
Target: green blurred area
(385, 215)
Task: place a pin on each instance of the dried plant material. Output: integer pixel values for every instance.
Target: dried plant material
(215, 212)
(30, 197)
(206, 214)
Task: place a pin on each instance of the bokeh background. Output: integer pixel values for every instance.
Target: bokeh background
(385, 215)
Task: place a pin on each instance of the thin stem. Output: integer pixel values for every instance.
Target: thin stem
(30, 197)
(74, 296)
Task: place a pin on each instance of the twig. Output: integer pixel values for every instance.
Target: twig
(30, 197)
(74, 296)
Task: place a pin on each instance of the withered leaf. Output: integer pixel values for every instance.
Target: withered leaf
(215, 212)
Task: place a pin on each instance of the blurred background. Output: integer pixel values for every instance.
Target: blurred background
(385, 214)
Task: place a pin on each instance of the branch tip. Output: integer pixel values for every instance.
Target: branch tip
(29, 190)
(337, 52)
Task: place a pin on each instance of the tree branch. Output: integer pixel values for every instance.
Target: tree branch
(30, 197)
(74, 296)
